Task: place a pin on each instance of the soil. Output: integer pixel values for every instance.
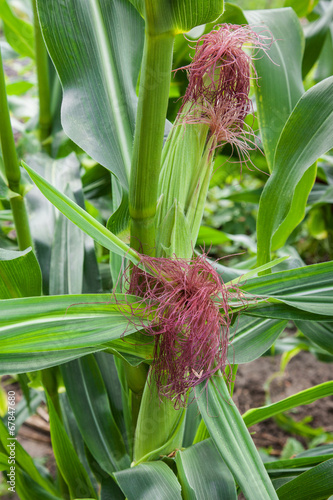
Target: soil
(302, 372)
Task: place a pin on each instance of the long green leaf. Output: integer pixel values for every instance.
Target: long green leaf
(257, 270)
(308, 289)
(203, 474)
(296, 462)
(306, 136)
(20, 274)
(96, 47)
(296, 308)
(72, 470)
(233, 440)
(316, 483)
(149, 481)
(255, 415)
(82, 219)
(54, 329)
(67, 256)
(277, 94)
(14, 363)
(27, 488)
(60, 172)
(280, 83)
(67, 322)
(88, 398)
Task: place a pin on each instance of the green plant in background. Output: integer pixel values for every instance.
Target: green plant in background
(139, 382)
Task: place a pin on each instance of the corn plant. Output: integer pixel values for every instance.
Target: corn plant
(139, 380)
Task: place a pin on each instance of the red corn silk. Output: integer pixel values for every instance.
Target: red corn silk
(190, 306)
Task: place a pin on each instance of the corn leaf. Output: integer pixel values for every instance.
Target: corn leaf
(280, 84)
(20, 274)
(82, 219)
(315, 483)
(255, 415)
(150, 481)
(99, 104)
(303, 293)
(307, 135)
(88, 398)
(203, 474)
(72, 470)
(27, 488)
(232, 439)
(319, 333)
(43, 331)
(315, 34)
(19, 33)
(251, 337)
(24, 461)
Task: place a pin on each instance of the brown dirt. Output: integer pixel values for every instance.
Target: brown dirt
(302, 372)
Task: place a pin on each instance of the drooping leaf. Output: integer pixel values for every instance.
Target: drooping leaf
(99, 99)
(44, 331)
(20, 274)
(82, 219)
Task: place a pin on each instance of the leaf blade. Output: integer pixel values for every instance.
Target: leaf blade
(233, 441)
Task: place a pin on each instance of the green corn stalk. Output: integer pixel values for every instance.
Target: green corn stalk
(180, 192)
(12, 170)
